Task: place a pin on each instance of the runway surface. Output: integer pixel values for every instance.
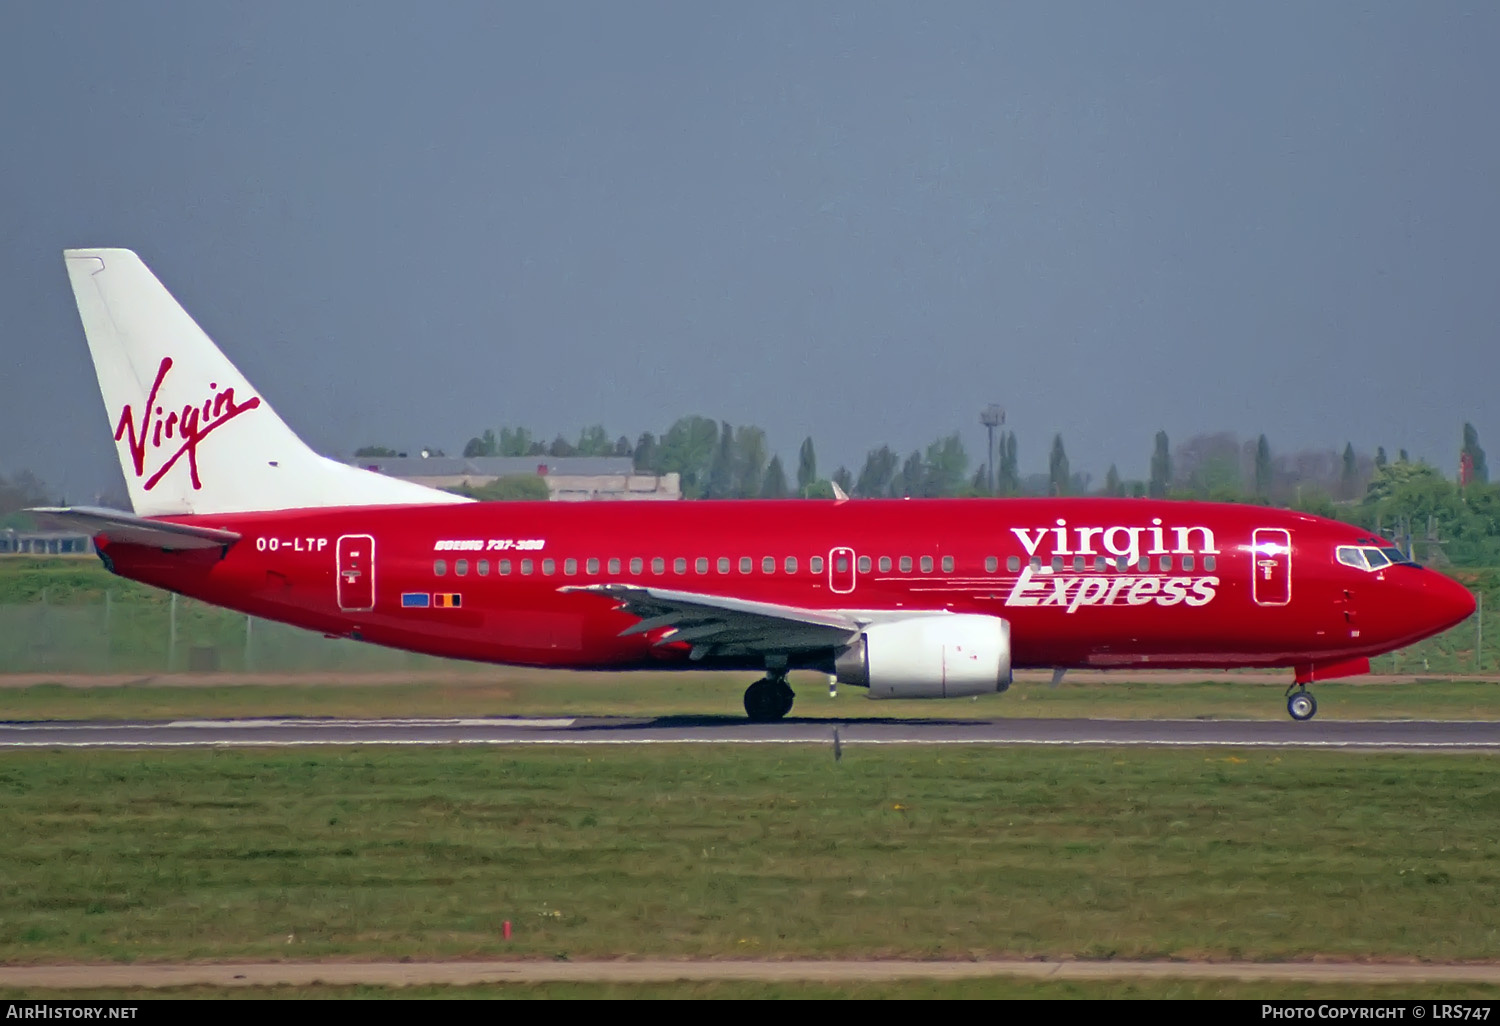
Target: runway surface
(1367, 734)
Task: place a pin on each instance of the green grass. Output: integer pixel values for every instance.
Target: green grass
(999, 988)
(702, 851)
(555, 693)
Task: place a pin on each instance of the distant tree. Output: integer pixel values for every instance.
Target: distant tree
(843, 479)
(622, 447)
(807, 465)
(1112, 483)
(1402, 457)
(1380, 457)
(912, 474)
(945, 469)
(1349, 476)
(485, 445)
(749, 461)
(647, 455)
(879, 469)
(1480, 472)
(722, 473)
(594, 441)
(1262, 468)
(561, 448)
(1161, 467)
(367, 452)
(688, 448)
(773, 486)
(1009, 481)
(1057, 468)
(516, 442)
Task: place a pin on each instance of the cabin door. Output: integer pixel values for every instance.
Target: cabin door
(356, 580)
(841, 570)
(1272, 566)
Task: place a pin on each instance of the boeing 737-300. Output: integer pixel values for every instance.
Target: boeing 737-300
(918, 598)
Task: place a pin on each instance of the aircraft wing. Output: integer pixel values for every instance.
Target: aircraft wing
(119, 526)
(714, 624)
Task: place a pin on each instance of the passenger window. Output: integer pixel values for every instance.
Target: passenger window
(1013, 563)
(525, 566)
(885, 564)
(505, 566)
(1144, 563)
(593, 566)
(723, 564)
(815, 564)
(1100, 562)
(570, 567)
(1056, 564)
(1036, 562)
(700, 564)
(1209, 562)
(549, 567)
(768, 565)
(484, 568)
(637, 564)
(658, 565)
(1164, 563)
(991, 564)
(927, 564)
(679, 565)
(947, 564)
(1187, 562)
(461, 567)
(906, 564)
(1122, 562)
(439, 567)
(864, 564)
(790, 564)
(1077, 562)
(745, 565)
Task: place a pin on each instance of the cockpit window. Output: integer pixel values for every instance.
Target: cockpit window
(1369, 557)
(1350, 555)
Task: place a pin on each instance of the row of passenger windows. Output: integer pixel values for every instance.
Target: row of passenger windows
(789, 565)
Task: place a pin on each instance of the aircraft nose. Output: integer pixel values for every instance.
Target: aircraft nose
(1445, 601)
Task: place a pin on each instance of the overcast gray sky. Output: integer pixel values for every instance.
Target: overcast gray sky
(860, 221)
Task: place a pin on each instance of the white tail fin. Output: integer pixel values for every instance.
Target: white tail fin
(193, 435)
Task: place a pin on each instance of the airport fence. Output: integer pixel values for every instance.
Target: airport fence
(180, 635)
(137, 631)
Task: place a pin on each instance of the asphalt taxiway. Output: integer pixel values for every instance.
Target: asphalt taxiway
(1409, 735)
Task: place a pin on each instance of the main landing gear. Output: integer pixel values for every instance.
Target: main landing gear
(769, 699)
(1300, 703)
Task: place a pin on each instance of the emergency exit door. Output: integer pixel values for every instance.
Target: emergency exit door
(1272, 567)
(356, 581)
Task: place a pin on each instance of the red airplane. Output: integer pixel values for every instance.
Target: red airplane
(907, 598)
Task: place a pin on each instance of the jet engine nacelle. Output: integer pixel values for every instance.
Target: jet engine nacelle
(947, 656)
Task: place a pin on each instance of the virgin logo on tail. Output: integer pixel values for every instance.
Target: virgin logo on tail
(185, 428)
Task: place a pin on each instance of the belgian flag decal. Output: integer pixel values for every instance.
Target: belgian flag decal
(447, 599)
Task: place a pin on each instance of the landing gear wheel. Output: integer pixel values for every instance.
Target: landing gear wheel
(768, 700)
(1302, 705)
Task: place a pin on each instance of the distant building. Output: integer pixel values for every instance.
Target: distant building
(44, 543)
(569, 478)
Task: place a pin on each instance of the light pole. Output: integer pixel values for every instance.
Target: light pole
(992, 417)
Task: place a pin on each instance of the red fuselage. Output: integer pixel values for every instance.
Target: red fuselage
(1083, 582)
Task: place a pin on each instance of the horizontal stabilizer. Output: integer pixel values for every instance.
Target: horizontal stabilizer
(118, 526)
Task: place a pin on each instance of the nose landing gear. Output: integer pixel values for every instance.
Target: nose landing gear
(1301, 704)
(769, 699)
